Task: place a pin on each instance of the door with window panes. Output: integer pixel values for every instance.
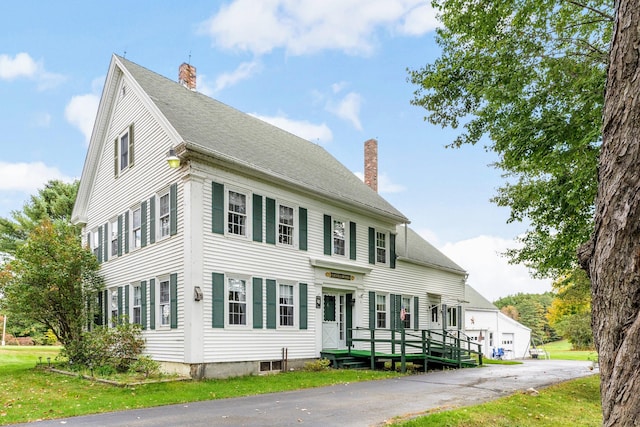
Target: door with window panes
(334, 312)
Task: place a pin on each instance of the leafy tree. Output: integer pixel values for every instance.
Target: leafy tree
(570, 312)
(53, 202)
(50, 280)
(612, 257)
(529, 75)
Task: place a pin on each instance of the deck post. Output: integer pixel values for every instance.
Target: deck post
(373, 349)
(403, 351)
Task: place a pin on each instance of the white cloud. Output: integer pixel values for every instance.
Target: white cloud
(348, 109)
(308, 26)
(28, 177)
(23, 65)
(81, 112)
(320, 134)
(42, 120)
(489, 271)
(243, 72)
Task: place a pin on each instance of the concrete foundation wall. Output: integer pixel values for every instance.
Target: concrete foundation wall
(198, 371)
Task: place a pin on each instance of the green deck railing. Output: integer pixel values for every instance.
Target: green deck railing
(451, 345)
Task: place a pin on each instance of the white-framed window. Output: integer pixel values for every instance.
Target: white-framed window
(286, 305)
(164, 213)
(406, 307)
(381, 247)
(452, 316)
(381, 311)
(435, 310)
(95, 242)
(123, 146)
(236, 213)
(237, 301)
(165, 303)
(137, 304)
(339, 237)
(286, 225)
(113, 310)
(113, 237)
(136, 228)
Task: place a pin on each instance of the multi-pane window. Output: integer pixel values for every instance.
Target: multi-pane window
(452, 316)
(114, 237)
(114, 306)
(285, 225)
(406, 312)
(381, 311)
(136, 236)
(165, 307)
(237, 302)
(124, 151)
(338, 237)
(164, 215)
(137, 305)
(286, 305)
(237, 214)
(381, 247)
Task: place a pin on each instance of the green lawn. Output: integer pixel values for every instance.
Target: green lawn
(29, 394)
(561, 350)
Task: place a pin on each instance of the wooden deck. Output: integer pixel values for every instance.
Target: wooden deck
(423, 349)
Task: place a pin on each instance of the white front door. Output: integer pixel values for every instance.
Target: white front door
(333, 320)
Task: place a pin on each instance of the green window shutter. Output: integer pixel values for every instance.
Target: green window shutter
(105, 307)
(115, 158)
(131, 145)
(416, 314)
(271, 304)
(459, 309)
(217, 208)
(270, 208)
(372, 310)
(126, 232)
(120, 312)
(143, 304)
(173, 295)
(392, 250)
(173, 209)
(302, 234)
(349, 315)
(393, 313)
(152, 219)
(372, 245)
(303, 305)
(126, 304)
(257, 218)
(352, 240)
(119, 235)
(143, 224)
(327, 235)
(105, 246)
(152, 303)
(257, 303)
(99, 244)
(217, 317)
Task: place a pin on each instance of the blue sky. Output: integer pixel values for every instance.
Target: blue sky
(333, 72)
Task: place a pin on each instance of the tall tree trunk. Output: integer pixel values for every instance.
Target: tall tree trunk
(612, 259)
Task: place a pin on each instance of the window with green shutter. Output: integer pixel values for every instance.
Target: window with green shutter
(270, 229)
(173, 210)
(271, 304)
(372, 245)
(152, 219)
(416, 314)
(392, 250)
(152, 303)
(143, 304)
(302, 218)
(372, 310)
(173, 293)
(257, 218)
(126, 232)
(302, 290)
(257, 303)
(327, 233)
(352, 240)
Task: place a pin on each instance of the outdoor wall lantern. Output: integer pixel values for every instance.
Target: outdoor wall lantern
(197, 293)
(318, 301)
(172, 159)
(352, 302)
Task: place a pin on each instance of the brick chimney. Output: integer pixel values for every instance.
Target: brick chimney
(371, 164)
(187, 76)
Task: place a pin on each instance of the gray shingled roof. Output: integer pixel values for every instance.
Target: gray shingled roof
(475, 300)
(220, 131)
(422, 252)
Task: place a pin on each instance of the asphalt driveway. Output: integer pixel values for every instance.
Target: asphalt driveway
(358, 404)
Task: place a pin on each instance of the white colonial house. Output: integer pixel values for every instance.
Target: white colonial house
(494, 330)
(257, 249)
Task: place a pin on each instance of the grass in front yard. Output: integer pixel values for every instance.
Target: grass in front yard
(562, 350)
(572, 403)
(29, 394)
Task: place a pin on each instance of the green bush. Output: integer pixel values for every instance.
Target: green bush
(317, 365)
(145, 365)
